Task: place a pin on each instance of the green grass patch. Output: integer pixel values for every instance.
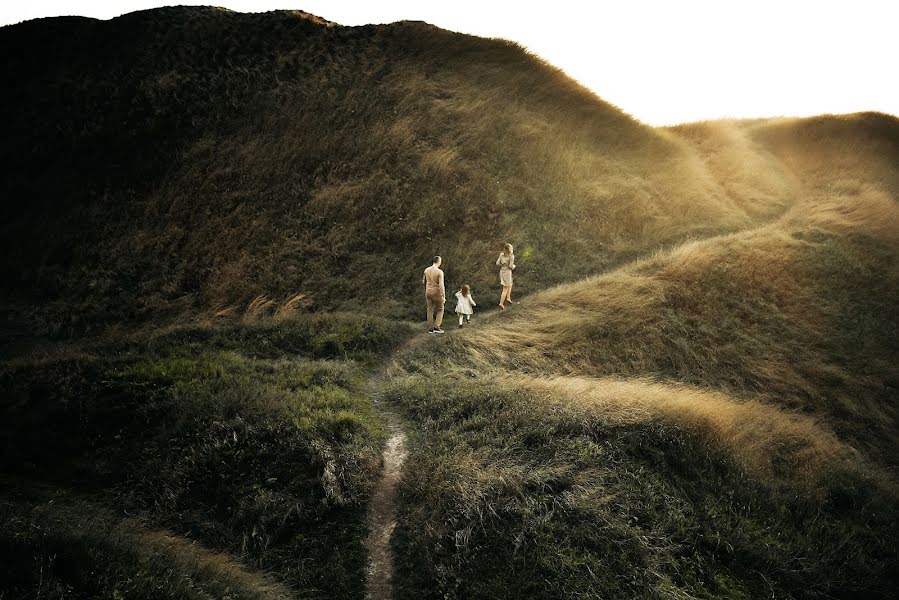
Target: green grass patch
(260, 441)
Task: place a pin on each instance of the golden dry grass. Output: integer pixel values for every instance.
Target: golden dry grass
(795, 315)
(291, 307)
(259, 308)
(563, 327)
(791, 449)
(739, 169)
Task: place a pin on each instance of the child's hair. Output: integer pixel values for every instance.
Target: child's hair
(466, 291)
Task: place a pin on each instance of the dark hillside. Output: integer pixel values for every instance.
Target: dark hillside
(187, 158)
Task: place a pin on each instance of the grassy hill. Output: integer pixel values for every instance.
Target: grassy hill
(718, 420)
(714, 420)
(189, 159)
(213, 229)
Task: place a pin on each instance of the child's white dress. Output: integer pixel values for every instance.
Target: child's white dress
(464, 305)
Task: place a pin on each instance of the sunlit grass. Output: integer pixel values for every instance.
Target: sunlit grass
(673, 428)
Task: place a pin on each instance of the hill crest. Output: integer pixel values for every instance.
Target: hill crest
(180, 160)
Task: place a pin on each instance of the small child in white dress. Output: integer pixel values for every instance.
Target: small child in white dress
(464, 303)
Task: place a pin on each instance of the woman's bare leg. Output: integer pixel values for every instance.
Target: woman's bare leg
(509, 294)
(502, 297)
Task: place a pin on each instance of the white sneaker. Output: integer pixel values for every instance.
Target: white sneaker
(438, 330)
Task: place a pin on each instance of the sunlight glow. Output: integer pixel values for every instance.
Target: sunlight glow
(662, 62)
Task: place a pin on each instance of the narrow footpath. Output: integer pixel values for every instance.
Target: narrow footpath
(382, 507)
(382, 514)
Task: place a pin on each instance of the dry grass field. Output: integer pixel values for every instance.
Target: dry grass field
(719, 416)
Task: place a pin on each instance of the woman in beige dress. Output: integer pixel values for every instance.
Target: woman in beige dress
(506, 263)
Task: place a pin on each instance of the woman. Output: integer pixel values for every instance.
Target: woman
(506, 263)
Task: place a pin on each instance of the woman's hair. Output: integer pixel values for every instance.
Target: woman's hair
(466, 291)
(507, 248)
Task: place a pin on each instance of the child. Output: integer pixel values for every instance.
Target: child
(464, 303)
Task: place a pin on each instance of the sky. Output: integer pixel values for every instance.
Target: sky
(663, 62)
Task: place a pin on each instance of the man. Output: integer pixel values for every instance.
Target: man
(435, 295)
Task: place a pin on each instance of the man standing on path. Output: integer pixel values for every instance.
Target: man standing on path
(435, 295)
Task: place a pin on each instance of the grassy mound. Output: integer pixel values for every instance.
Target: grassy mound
(259, 441)
(64, 547)
(715, 421)
(801, 311)
(189, 158)
(542, 491)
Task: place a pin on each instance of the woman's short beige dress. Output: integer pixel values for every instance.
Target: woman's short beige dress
(505, 262)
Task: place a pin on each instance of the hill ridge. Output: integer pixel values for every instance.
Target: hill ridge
(226, 118)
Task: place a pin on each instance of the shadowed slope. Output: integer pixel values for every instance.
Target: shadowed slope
(62, 535)
(183, 158)
(257, 440)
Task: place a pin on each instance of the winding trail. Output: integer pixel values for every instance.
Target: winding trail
(382, 507)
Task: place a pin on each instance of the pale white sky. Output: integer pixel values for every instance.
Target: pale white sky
(663, 62)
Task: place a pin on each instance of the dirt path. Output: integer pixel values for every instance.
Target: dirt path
(382, 507)
(382, 515)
